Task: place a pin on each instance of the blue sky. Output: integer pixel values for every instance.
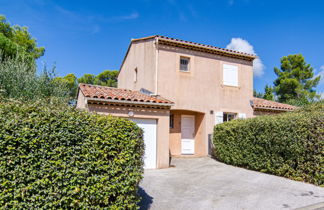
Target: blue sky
(90, 36)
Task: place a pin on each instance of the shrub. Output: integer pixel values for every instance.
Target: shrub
(289, 145)
(58, 157)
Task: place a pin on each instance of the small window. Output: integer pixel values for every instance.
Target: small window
(184, 64)
(135, 75)
(230, 75)
(228, 117)
(171, 121)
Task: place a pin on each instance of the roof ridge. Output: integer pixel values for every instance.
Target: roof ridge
(102, 86)
(195, 43)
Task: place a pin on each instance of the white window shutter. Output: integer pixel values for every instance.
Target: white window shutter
(230, 75)
(241, 115)
(218, 118)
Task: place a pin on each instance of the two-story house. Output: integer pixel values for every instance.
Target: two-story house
(177, 91)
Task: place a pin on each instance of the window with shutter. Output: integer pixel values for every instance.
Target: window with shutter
(230, 75)
(218, 117)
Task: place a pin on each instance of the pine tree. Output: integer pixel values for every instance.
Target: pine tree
(268, 93)
(295, 83)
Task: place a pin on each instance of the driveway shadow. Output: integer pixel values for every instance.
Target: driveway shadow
(146, 200)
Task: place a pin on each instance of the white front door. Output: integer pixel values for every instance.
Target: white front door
(187, 134)
(149, 127)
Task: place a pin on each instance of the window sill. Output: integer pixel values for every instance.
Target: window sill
(230, 86)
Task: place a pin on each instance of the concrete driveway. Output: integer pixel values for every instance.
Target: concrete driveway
(203, 183)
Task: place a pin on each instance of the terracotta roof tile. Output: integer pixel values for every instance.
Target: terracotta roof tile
(119, 95)
(259, 103)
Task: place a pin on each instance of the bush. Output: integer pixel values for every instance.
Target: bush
(58, 157)
(289, 145)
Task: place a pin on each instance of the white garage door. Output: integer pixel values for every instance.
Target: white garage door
(149, 127)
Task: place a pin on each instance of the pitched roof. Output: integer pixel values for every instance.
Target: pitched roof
(259, 103)
(163, 39)
(120, 95)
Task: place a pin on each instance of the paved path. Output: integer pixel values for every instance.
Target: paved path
(203, 183)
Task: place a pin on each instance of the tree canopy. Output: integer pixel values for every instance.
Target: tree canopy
(16, 41)
(105, 78)
(18, 81)
(268, 93)
(295, 81)
(87, 79)
(71, 82)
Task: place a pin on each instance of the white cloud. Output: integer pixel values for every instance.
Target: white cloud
(321, 73)
(242, 45)
(321, 95)
(133, 15)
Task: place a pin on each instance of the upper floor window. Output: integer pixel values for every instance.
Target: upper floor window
(184, 64)
(230, 75)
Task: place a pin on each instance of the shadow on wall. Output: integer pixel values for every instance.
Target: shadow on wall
(146, 201)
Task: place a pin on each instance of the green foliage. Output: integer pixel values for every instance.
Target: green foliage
(17, 82)
(268, 93)
(16, 41)
(295, 83)
(289, 145)
(56, 157)
(87, 79)
(105, 78)
(257, 94)
(71, 82)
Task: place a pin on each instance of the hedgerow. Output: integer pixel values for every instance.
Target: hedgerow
(289, 145)
(54, 157)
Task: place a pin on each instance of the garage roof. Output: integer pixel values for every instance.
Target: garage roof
(120, 95)
(259, 103)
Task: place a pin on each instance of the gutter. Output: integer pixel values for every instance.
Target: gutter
(156, 64)
(126, 102)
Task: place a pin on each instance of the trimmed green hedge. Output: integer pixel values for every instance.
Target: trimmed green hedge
(58, 157)
(289, 145)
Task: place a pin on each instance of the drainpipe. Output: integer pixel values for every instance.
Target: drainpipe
(156, 64)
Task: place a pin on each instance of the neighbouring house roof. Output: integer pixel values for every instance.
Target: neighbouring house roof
(109, 94)
(262, 104)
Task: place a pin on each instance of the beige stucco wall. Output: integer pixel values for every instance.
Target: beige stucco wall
(141, 55)
(199, 90)
(162, 117)
(81, 103)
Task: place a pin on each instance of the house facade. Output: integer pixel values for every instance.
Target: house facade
(205, 85)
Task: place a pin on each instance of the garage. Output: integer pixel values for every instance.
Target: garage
(149, 112)
(149, 128)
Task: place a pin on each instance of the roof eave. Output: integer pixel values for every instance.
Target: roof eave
(128, 102)
(272, 109)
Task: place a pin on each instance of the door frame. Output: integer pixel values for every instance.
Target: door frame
(194, 130)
